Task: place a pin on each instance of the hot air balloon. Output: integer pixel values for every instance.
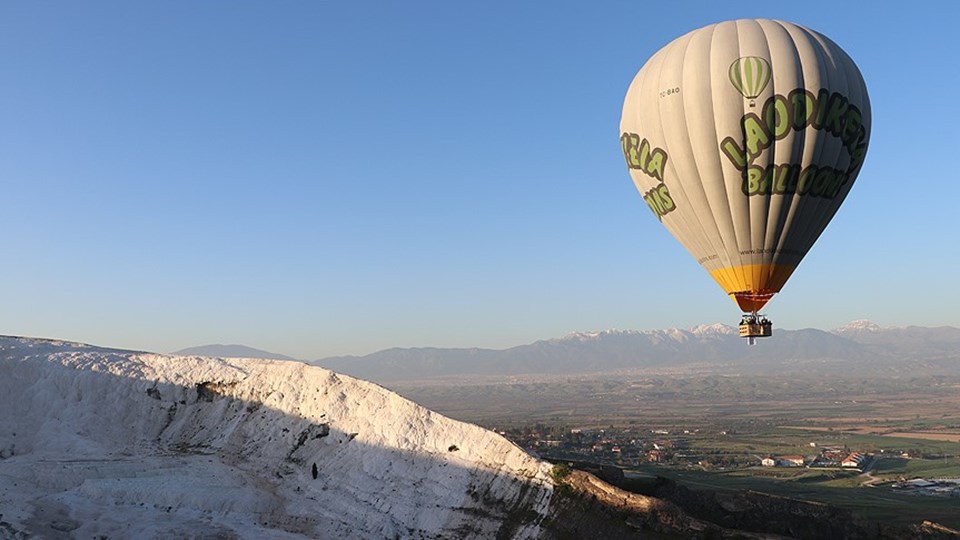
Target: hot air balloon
(743, 138)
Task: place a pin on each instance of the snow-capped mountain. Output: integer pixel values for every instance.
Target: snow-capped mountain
(858, 326)
(715, 330)
(908, 342)
(97, 442)
(878, 349)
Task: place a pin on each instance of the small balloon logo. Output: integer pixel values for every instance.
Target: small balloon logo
(750, 75)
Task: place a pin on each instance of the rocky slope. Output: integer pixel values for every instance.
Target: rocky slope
(122, 444)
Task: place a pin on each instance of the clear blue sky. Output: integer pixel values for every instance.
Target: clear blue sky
(321, 178)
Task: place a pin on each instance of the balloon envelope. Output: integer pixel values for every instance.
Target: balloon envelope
(744, 137)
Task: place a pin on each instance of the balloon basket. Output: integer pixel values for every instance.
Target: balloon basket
(754, 326)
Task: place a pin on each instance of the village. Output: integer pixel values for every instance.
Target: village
(630, 446)
(699, 449)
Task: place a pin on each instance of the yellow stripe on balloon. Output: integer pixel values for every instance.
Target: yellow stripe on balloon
(752, 285)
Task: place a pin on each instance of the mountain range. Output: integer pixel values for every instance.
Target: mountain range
(860, 346)
(230, 351)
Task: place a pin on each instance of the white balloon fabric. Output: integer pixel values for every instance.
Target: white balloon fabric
(744, 137)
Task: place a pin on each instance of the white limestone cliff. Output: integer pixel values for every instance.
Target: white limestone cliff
(125, 444)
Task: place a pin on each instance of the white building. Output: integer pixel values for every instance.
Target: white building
(790, 461)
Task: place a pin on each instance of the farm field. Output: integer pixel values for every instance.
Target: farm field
(852, 405)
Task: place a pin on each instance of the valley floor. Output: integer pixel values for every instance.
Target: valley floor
(712, 432)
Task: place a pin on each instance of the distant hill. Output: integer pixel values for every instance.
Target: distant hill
(230, 351)
(862, 348)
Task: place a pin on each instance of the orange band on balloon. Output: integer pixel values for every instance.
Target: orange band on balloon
(752, 285)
